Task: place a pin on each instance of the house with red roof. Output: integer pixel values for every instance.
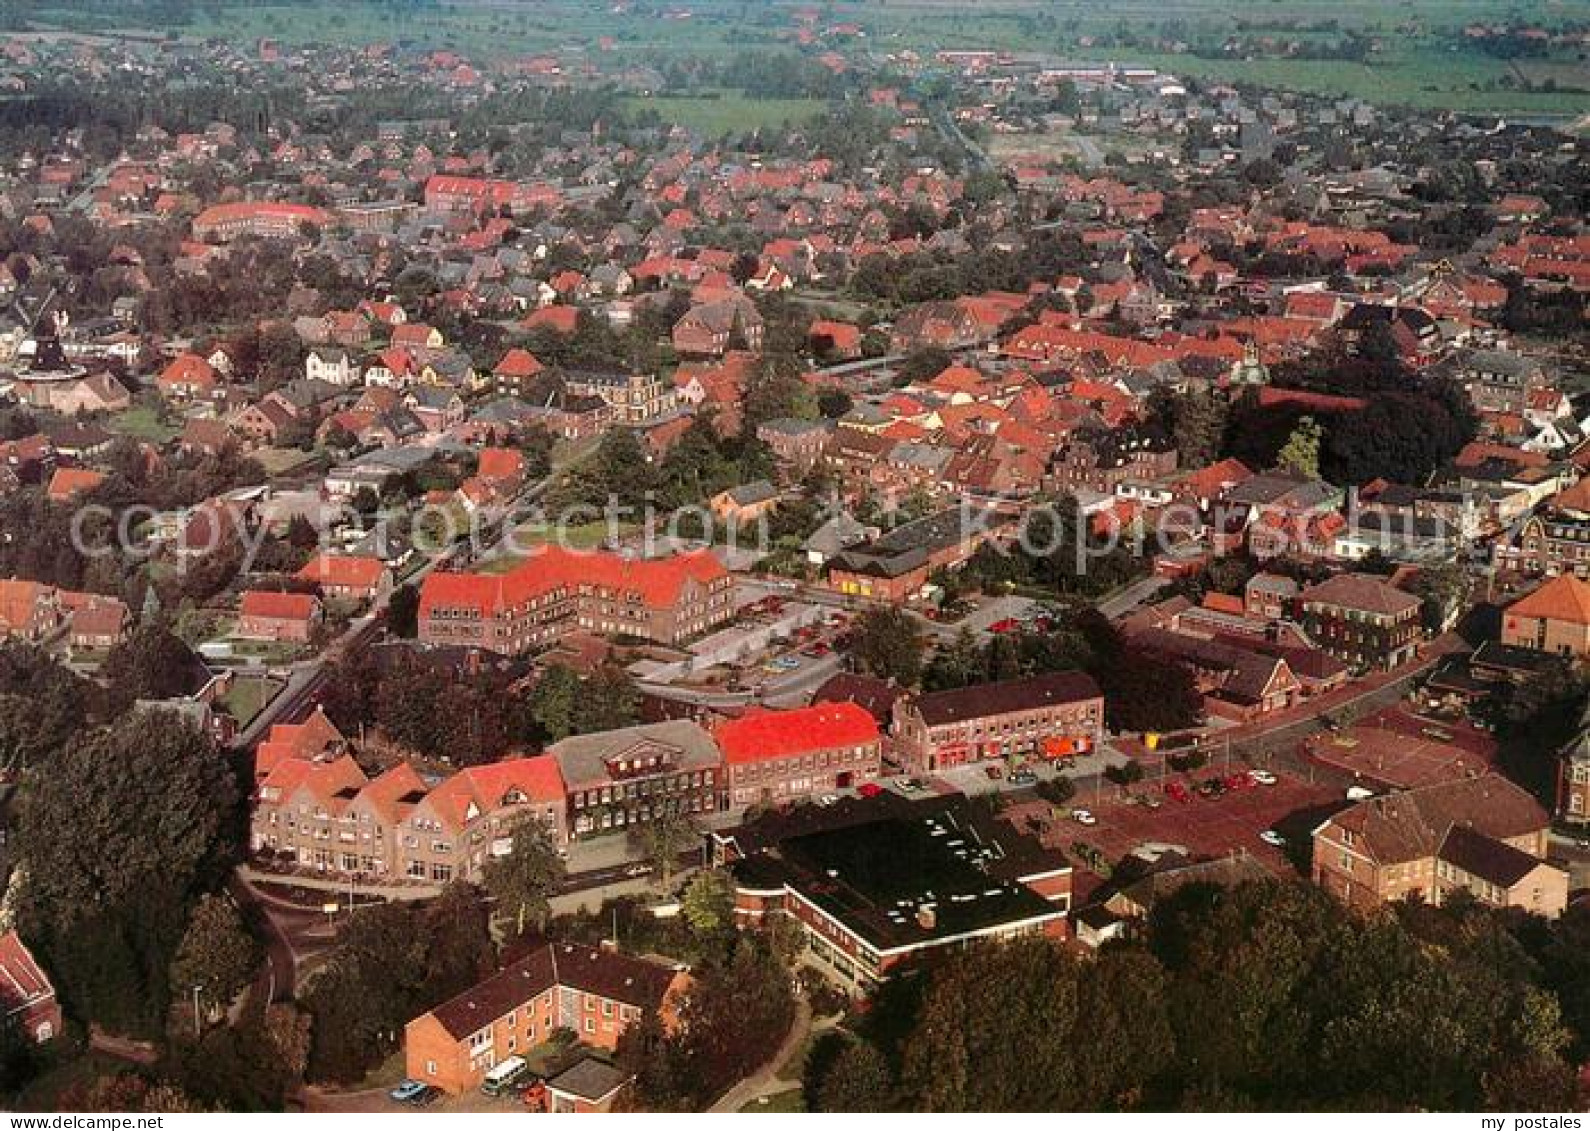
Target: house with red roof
(267, 615)
(348, 577)
(774, 757)
(1554, 618)
(188, 377)
(517, 369)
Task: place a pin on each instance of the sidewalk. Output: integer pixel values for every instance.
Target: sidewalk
(765, 1080)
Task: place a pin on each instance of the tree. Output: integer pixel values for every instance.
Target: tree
(889, 643)
(217, 956)
(663, 839)
(403, 612)
(608, 700)
(858, 1079)
(708, 903)
(1300, 455)
(554, 702)
(152, 663)
(523, 881)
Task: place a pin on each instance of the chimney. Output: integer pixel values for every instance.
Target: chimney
(926, 917)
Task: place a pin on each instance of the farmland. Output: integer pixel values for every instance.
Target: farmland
(1419, 56)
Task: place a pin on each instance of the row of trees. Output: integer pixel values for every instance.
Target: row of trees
(468, 722)
(1268, 996)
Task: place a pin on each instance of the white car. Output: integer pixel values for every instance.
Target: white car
(638, 870)
(1262, 777)
(1273, 838)
(1359, 793)
(1083, 817)
(828, 799)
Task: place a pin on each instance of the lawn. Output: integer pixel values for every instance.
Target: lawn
(589, 536)
(141, 422)
(779, 1103)
(726, 111)
(248, 697)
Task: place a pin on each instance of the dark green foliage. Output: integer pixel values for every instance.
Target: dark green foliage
(393, 961)
(1267, 996)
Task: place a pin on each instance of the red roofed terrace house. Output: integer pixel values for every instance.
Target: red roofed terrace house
(666, 600)
(1055, 715)
(265, 615)
(593, 992)
(774, 757)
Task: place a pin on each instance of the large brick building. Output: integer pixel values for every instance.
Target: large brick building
(594, 993)
(1484, 835)
(880, 885)
(667, 600)
(1056, 714)
(1362, 620)
(773, 757)
(617, 779)
(328, 815)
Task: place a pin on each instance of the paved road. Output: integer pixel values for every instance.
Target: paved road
(1127, 600)
(308, 675)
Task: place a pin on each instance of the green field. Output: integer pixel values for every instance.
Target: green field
(728, 112)
(142, 423)
(1415, 65)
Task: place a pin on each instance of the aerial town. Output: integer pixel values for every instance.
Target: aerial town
(809, 556)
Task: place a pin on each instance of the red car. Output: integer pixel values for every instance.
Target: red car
(1177, 792)
(869, 789)
(1002, 626)
(1240, 781)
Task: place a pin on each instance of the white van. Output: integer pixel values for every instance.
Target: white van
(501, 1078)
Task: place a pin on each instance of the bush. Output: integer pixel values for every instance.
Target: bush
(1056, 791)
(1125, 774)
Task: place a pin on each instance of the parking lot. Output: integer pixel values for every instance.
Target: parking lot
(1203, 826)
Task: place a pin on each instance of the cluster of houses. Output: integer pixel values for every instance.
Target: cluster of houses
(316, 807)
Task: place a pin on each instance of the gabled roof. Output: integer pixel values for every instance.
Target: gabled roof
(604, 973)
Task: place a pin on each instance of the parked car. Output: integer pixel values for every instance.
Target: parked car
(1273, 838)
(407, 1092)
(1176, 791)
(1359, 793)
(1239, 781)
(427, 1096)
(1262, 777)
(828, 799)
(635, 870)
(1023, 777)
(1083, 817)
(869, 789)
(994, 772)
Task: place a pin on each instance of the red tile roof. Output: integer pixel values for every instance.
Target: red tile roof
(276, 606)
(766, 735)
(658, 581)
(1564, 598)
(343, 571)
